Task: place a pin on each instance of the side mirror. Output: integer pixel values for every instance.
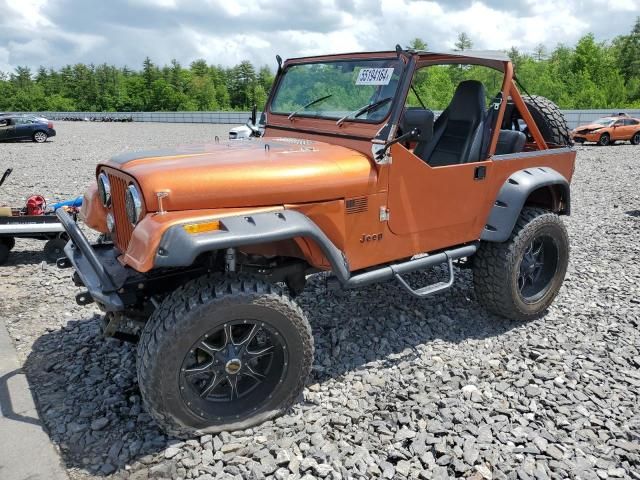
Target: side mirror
(252, 122)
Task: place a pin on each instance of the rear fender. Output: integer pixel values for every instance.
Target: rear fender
(542, 186)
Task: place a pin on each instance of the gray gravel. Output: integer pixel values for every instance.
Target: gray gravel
(401, 388)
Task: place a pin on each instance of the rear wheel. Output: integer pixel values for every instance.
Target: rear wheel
(604, 140)
(518, 279)
(40, 137)
(10, 242)
(4, 253)
(635, 140)
(223, 353)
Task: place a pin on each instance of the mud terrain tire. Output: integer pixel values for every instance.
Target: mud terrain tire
(206, 318)
(506, 279)
(549, 119)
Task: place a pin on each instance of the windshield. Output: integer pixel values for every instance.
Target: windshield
(334, 89)
(605, 122)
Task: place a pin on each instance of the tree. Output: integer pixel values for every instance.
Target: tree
(463, 42)
(418, 44)
(540, 52)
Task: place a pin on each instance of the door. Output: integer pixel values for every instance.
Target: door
(24, 127)
(631, 126)
(618, 130)
(7, 130)
(441, 203)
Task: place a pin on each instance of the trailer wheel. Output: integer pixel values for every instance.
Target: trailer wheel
(10, 242)
(4, 253)
(54, 249)
(223, 353)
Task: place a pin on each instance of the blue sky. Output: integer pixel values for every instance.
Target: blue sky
(58, 32)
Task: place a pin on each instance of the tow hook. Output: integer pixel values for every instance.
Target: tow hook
(84, 298)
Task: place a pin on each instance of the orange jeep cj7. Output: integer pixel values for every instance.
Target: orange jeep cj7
(205, 246)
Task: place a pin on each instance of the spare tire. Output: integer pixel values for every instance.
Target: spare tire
(549, 119)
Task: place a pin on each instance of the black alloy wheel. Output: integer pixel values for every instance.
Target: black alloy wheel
(232, 369)
(538, 267)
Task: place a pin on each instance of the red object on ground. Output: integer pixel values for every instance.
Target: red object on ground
(35, 205)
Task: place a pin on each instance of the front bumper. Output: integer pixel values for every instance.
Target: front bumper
(582, 137)
(97, 266)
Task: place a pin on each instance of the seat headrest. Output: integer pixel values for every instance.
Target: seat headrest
(419, 118)
(510, 141)
(468, 102)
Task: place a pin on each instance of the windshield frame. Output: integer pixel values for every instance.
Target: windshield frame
(403, 65)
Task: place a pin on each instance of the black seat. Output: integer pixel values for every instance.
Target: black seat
(457, 133)
(510, 141)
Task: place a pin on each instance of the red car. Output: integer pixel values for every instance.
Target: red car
(608, 130)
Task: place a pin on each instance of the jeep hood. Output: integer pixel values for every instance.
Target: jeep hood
(268, 171)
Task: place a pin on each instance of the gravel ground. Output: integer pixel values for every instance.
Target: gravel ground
(401, 388)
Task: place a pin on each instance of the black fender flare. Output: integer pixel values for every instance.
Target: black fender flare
(179, 249)
(513, 195)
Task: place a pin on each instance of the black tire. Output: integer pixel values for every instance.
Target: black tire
(498, 267)
(549, 119)
(635, 140)
(176, 332)
(40, 136)
(604, 140)
(4, 253)
(9, 242)
(54, 249)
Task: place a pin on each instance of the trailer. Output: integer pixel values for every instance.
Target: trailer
(34, 221)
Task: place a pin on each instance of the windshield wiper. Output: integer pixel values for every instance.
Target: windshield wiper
(366, 109)
(313, 102)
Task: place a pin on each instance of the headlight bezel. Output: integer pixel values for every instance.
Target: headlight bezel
(104, 189)
(133, 204)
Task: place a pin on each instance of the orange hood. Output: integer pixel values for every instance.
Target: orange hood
(591, 126)
(248, 173)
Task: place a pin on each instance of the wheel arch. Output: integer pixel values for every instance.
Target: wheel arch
(179, 249)
(536, 187)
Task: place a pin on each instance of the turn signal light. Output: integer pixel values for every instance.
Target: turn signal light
(202, 227)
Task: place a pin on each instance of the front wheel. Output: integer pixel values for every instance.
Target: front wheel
(518, 279)
(223, 353)
(604, 140)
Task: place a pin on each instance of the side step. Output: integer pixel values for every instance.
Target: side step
(395, 271)
(429, 289)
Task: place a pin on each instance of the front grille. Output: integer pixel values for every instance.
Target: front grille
(124, 229)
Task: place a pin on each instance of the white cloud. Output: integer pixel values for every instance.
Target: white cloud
(123, 32)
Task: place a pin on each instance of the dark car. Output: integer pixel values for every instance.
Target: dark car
(25, 127)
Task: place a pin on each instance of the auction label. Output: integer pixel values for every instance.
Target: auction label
(374, 76)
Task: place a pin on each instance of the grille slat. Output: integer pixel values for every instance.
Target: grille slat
(124, 229)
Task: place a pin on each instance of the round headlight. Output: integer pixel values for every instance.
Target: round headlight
(111, 222)
(104, 189)
(133, 204)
